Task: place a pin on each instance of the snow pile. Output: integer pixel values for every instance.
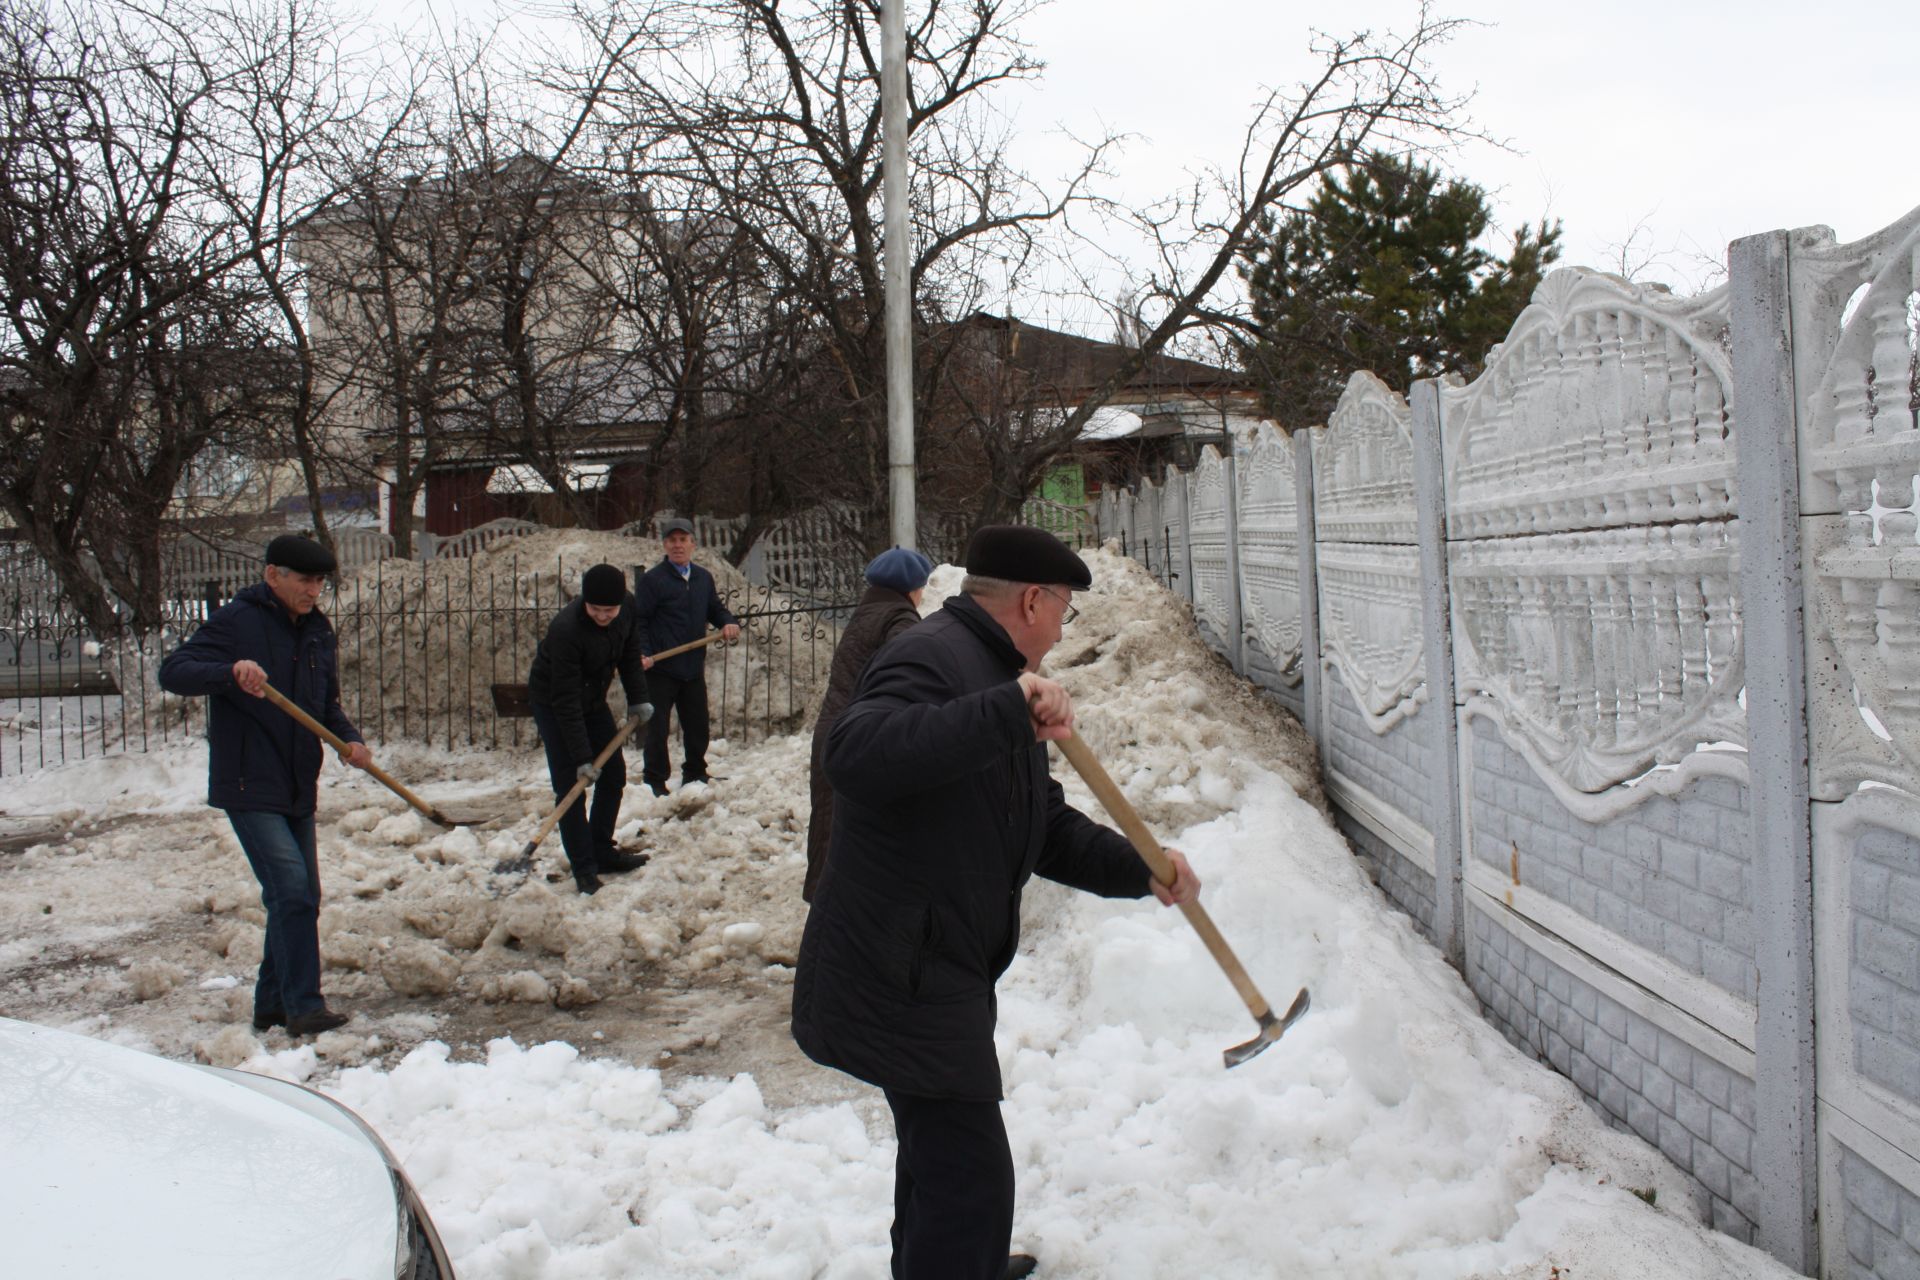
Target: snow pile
(1393, 1133)
(424, 641)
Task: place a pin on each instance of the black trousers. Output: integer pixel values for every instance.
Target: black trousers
(952, 1190)
(585, 832)
(688, 698)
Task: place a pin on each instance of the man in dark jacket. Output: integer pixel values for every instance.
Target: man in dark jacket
(943, 808)
(897, 579)
(596, 634)
(263, 767)
(677, 600)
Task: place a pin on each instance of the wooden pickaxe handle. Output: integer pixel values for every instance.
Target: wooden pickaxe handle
(339, 744)
(1081, 757)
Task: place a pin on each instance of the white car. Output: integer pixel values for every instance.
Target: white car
(119, 1163)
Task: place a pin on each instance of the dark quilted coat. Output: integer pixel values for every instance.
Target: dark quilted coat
(943, 809)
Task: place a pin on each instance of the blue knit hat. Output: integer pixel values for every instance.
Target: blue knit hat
(899, 569)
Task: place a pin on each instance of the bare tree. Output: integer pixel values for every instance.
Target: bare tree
(773, 110)
(119, 299)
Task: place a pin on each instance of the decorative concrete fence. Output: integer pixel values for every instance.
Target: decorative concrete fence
(1613, 660)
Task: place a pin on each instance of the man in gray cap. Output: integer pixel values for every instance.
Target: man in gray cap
(943, 809)
(677, 600)
(263, 768)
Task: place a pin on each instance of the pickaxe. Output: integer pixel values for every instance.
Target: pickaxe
(1271, 1027)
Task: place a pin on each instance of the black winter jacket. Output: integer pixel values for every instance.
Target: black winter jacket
(881, 615)
(674, 611)
(943, 808)
(258, 756)
(575, 663)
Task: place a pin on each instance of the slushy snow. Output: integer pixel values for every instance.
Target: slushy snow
(1392, 1133)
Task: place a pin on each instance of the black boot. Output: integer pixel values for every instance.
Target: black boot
(1021, 1265)
(312, 1024)
(588, 882)
(616, 863)
(267, 1021)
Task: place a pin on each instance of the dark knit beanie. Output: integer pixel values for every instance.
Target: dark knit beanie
(1018, 553)
(899, 569)
(302, 555)
(604, 584)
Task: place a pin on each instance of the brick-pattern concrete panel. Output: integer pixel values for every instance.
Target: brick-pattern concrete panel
(1673, 875)
(1883, 967)
(1645, 1080)
(1407, 885)
(1394, 766)
(1882, 1228)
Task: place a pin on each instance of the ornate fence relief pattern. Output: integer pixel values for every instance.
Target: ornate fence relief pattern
(1369, 566)
(1606, 406)
(1860, 449)
(1270, 550)
(1594, 568)
(1212, 575)
(1174, 531)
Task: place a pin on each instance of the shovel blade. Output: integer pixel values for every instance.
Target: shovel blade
(1271, 1029)
(515, 866)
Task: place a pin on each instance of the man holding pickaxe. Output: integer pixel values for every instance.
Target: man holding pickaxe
(263, 768)
(943, 809)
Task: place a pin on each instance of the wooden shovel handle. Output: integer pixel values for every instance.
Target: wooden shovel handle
(580, 785)
(339, 744)
(688, 647)
(1081, 757)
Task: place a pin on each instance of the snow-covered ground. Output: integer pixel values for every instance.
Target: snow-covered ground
(601, 1087)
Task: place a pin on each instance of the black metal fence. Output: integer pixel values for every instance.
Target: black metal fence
(421, 647)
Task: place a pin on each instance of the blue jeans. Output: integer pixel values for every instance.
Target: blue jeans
(281, 851)
(585, 834)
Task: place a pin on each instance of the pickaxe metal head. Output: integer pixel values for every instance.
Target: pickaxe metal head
(1271, 1029)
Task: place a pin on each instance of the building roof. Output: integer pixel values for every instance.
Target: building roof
(1073, 365)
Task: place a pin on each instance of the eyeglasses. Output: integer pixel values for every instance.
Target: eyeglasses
(1071, 612)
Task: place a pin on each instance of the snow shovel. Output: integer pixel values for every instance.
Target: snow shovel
(393, 784)
(514, 866)
(1271, 1027)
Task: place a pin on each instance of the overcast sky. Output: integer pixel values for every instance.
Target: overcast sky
(1690, 123)
(1662, 128)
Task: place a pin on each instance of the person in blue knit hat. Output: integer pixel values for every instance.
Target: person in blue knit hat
(897, 579)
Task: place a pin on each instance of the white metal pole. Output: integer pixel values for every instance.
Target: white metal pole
(899, 270)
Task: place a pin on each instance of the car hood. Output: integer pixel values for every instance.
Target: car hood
(122, 1163)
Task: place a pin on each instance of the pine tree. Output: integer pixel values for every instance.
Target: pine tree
(1383, 270)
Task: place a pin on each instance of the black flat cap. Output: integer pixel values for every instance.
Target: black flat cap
(1018, 553)
(302, 555)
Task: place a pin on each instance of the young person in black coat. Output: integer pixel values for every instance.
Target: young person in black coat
(896, 580)
(263, 767)
(677, 599)
(943, 809)
(596, 634)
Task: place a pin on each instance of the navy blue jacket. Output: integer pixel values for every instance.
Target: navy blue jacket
(943, 809)
(258, 756)
(674, 611)
(575, 663)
